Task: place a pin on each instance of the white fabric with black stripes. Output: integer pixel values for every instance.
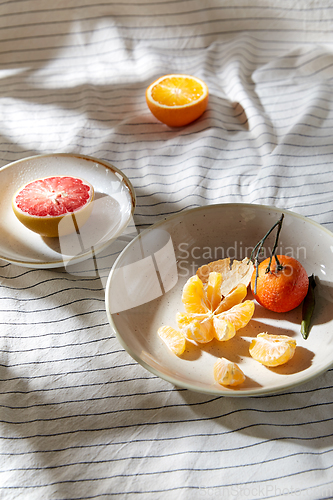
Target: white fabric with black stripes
(79, 418)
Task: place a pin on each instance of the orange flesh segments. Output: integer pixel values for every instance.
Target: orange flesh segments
(177, 99)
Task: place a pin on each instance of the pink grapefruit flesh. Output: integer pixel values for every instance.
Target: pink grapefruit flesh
(54, 206)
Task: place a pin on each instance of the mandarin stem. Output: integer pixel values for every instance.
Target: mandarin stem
(279, 267)
(258, 247)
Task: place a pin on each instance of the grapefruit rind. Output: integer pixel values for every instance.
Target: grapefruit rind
(54, 226)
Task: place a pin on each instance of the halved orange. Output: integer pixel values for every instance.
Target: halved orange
(177, 99)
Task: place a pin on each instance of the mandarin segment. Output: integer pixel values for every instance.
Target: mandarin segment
(272, 350)
(213, 290)
(223, 329)
(193, 296)
(198, 327)
(239, 315)
(233, 298)
(199, 331)
(174, 339)
(184, 318)
(228, 373)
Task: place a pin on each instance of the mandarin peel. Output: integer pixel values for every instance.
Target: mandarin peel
(233, 273)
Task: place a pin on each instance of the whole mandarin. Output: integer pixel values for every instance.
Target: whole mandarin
(280, 290)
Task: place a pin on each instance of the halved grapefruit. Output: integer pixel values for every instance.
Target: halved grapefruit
(54, 206)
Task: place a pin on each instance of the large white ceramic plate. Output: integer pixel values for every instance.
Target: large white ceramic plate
(112, 211)
(145, 285)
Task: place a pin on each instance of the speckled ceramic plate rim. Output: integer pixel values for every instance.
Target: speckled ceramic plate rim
(211, 390)
(44, 264)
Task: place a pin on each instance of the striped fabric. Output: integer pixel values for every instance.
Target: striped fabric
(80, 419)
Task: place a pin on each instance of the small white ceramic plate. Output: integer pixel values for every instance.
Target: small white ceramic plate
(144, 291)
(113, 207)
